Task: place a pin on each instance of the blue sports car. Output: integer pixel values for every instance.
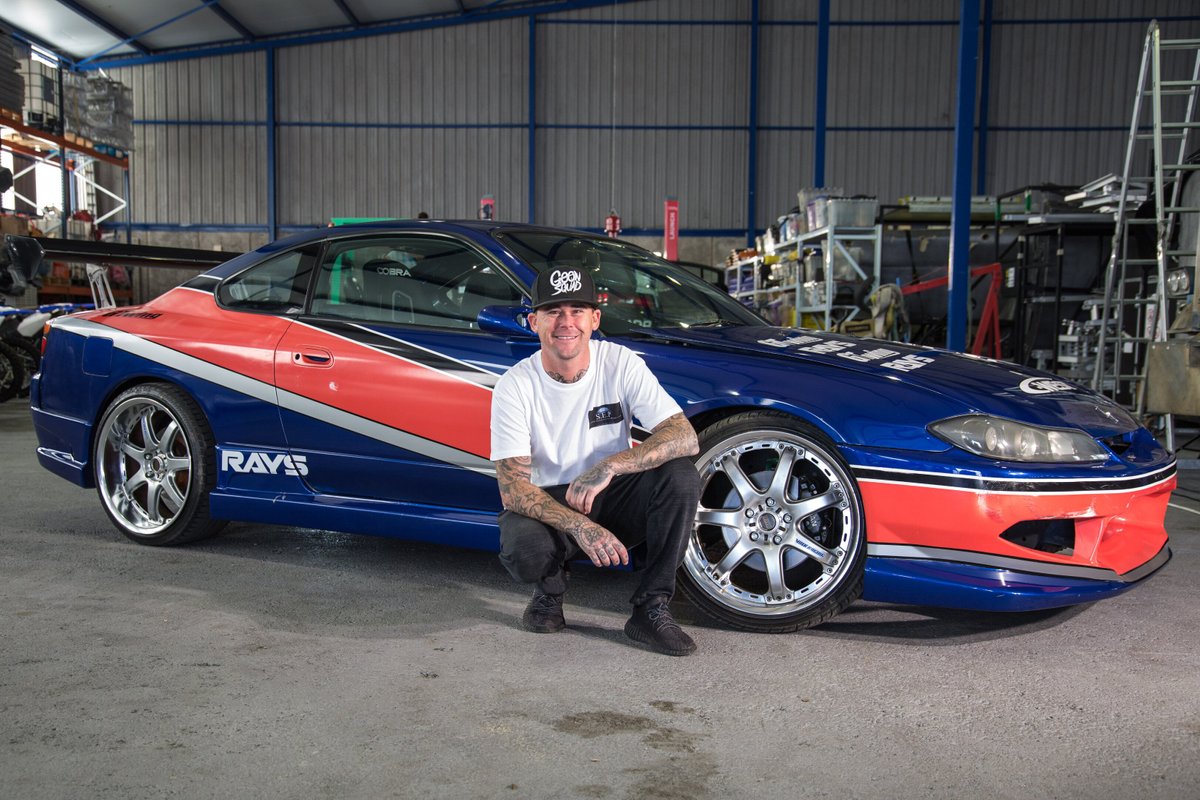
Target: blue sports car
(341, 379)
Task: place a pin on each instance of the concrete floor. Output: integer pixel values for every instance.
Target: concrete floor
(280, 663)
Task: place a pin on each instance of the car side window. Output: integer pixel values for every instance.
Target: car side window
(276, 285)
(409, 280)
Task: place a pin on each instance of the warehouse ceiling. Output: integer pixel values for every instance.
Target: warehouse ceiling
(105, 33)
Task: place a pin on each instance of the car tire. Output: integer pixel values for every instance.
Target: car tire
(154, 459)
(13, 377)
(779, 542)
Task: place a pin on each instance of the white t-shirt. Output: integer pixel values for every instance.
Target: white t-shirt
(565, 428)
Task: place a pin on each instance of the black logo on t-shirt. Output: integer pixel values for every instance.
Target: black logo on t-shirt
(605, 415)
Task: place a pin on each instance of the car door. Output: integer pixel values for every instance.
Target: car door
(239, 337)
(385, 385)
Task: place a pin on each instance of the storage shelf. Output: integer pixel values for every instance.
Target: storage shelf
(31, 142)
(831, 240)
(72, 156)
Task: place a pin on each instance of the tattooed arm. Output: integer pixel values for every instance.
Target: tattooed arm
(674, 437)
(520, 495)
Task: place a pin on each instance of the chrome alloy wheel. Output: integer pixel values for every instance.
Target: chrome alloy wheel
(779, 530)
(143, 465)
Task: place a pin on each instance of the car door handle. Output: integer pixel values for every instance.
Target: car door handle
(313, 357)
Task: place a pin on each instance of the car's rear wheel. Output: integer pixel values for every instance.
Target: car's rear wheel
(779, 542)
(155, 465)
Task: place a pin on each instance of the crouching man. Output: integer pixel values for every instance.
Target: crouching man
(570, 481)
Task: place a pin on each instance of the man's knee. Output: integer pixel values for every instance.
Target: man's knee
(680, 476)
(528, 549)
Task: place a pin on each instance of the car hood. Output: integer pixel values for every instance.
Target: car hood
(969, 383)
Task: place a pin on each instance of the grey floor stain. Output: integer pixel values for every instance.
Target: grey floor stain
(682, 774)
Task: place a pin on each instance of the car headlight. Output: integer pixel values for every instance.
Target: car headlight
(1008, 440)
(1179, 282)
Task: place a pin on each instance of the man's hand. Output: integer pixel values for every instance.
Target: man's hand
(583, 490)
(604, 549)
(521, 496)
(674, 437)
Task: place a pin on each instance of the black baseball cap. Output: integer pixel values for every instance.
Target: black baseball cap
(564, 285)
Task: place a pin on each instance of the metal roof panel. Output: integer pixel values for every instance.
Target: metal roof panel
(56, 25)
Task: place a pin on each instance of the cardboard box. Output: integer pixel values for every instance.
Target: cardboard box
(18, 226)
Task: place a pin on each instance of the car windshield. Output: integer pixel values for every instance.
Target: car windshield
(637, 290)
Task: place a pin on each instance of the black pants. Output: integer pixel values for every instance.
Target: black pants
(657, 507)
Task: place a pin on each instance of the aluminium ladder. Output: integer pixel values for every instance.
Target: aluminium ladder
(1135, 306)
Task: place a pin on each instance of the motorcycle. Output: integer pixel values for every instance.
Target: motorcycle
(21, 331)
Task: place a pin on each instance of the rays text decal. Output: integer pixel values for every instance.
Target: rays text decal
(263, 463)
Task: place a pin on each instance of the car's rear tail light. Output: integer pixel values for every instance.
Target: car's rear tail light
(45, 336)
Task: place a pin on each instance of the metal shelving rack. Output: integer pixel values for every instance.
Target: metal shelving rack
(65, 153)
(833, 240)
(68, 154)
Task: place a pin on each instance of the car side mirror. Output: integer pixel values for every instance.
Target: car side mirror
(509, 320)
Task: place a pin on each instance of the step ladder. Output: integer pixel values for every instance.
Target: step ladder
(1162, 134)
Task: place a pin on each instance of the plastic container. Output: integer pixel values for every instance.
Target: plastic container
(811, 204)
(851, 212)
(813, 293)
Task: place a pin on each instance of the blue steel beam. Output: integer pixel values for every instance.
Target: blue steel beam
(984, 99)
(272, 131)
(234, 22)
(293, 40)
(532, 144)
(105, 25)
(205, 4)
(960, 214)
(820, 121)
(347, 13)
(752, 134)
(494, 4)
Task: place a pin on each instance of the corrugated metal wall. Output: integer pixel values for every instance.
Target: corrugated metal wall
(431, 120)
(892, 90)
(629, 114)
(1062, 92)
(199, 151)
(394, 125)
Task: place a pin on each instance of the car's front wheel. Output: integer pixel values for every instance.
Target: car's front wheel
(779, 542)
(155, 465)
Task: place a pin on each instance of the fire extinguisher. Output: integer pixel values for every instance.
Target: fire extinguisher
(612, 224)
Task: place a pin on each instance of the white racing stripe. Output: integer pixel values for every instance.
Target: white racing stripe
(260, 390)
(1016, 564)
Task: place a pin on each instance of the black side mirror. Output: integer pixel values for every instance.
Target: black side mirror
(509, 320)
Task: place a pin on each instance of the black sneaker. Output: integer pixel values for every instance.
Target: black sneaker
(544, 613)
(653, 625)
